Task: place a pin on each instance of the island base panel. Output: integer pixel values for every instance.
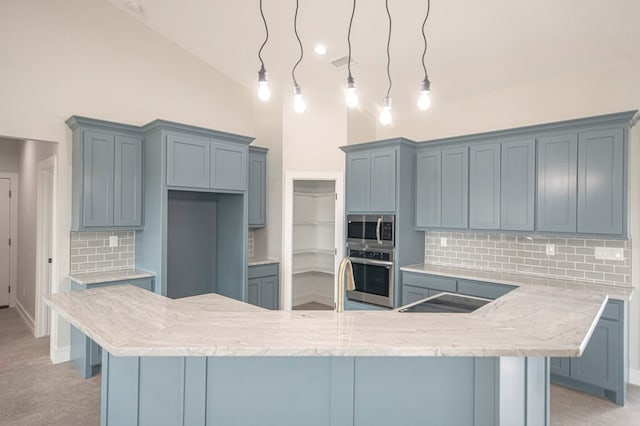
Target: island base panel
(337, 391)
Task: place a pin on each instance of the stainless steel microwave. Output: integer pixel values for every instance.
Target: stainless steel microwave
(371, 230)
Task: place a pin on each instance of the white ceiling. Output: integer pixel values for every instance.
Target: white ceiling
(474, 46)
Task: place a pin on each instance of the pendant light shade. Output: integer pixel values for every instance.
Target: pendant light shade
(264, 92)
(299, 104)
(351, 96)
(424, 100)
(385, 113)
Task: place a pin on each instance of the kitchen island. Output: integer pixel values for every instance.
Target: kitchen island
(216, 361)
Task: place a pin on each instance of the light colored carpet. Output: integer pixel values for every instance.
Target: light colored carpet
(35, 392)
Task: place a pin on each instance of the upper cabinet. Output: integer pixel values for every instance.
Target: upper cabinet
(564, 177)
(257, 191)
(107, 175)
(200, 162)
(371, 180)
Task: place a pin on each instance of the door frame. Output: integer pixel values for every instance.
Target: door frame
(44, 232)
(13, 230)
(287, 231)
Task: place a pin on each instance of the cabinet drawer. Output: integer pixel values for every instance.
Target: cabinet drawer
(612, 310)
(258, 271)
(429, 281)
(482, 289)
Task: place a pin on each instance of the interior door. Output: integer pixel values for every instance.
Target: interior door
(5, 234)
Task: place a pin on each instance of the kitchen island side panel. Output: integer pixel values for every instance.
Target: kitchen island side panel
(337, 391)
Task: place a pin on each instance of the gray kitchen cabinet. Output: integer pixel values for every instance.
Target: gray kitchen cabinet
(484, 186)
(257, 188)
(517, 188)
(197, 162)
(107, 180)
(371, 181)
(600, 181)
(263, 286)
(188, 161)
(428, 188)
(557, 177)
(455, 187)
(600, 369)
(412, 294)
(483, 289)
(86, 355)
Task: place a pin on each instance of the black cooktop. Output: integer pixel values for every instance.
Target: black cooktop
(447, 303)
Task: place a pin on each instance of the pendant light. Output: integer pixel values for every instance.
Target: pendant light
(298, 101)
(424, 101)
(385, 114)
(264, 92)
(351, 96)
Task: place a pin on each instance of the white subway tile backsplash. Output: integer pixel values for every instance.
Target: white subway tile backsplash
(90, 251)
(574, 258)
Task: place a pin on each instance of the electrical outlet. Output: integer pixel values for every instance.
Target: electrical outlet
(609, 253)
(550, 249)
(113, 241)
(443, 242)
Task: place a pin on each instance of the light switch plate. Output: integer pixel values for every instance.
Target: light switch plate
(609, 253)
(550, 249)
(113, 241)
(443, 242)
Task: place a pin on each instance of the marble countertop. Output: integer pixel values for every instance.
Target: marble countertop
(103, 277)
(255, 261)
(521, 280)
(128, 321)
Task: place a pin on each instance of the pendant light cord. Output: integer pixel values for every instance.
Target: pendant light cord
(424, 37)
(353, 12)
(295, 30)
(266, 28)
(388, 50)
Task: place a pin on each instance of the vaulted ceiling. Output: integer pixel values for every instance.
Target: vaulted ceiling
(474, 46)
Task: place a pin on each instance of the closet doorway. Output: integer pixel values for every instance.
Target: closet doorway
(313, 240)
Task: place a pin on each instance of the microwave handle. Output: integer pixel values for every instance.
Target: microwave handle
(378, 230)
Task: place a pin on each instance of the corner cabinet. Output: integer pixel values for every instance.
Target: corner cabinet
(600, 369)
(257, 190)
(263, 286)
(107, 176)
(371, 181)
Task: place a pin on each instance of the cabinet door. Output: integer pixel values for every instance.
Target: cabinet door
(269, 292)
(428, 189)
(557, 183)
(257, 189)
(517, 189)
(128, 181)
(228, 166)
(484, 187)
(600, 177)
(188, 161)
(560, 366)
(98, 161)
(358, 182)
(253, 294)
(383, 180)
(598, 365)
(455, 187)
(412, 294)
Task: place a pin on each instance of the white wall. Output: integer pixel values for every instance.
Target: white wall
(30, 154)
(9, 155)
(361, 126)
(85, 57)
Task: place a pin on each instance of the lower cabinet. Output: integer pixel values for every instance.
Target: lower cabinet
(86, 355)
(599, 370)
(263, 286)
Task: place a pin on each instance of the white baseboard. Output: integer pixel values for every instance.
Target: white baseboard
(31, 324)
(634, 377)
(59, 355)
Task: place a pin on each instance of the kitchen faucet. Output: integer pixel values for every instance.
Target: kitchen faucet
(345, 265)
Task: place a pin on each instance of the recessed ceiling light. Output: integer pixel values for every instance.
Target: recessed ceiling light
(134, 7)
(320, 49)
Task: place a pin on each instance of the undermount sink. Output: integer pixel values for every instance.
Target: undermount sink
(446, 303)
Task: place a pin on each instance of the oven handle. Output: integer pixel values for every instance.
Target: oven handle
(378, 230)
(370, 261)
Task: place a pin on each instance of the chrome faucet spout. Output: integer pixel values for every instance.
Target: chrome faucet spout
(345, 266)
